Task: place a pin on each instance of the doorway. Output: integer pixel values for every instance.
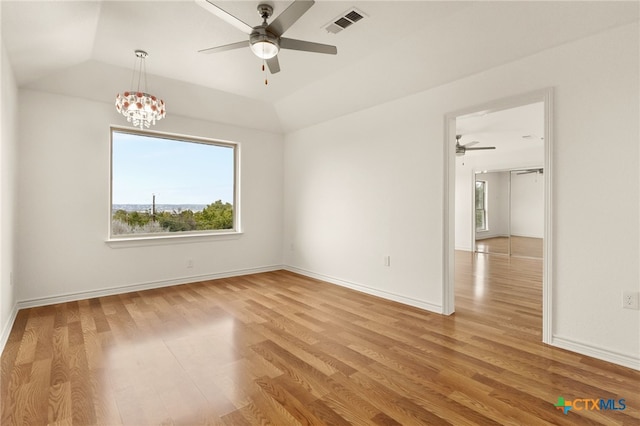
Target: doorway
(467, 165)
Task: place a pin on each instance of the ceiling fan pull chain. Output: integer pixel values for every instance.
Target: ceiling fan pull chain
(266, 82)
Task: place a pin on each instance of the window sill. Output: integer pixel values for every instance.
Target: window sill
(159, 240)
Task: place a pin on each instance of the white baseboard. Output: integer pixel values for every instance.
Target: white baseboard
(6, 327)
(81, 295)
(625, 360)
(427, 306)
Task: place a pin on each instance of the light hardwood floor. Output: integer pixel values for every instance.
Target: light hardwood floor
(278, 348)
(519, 246)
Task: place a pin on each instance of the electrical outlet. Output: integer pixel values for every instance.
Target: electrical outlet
(190, 263)
(630, 300)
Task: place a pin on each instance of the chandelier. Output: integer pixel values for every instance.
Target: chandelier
(140, 108)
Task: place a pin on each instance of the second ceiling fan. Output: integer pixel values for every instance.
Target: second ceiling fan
(265, 40)
(462, 149)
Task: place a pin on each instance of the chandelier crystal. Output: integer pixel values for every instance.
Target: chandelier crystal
(140, 108)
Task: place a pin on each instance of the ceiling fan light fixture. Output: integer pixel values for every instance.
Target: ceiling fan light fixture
(264, 45)
(264, 49)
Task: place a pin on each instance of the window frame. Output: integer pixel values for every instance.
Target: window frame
(181, 236)
(484, 209)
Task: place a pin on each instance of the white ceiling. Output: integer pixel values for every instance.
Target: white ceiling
(45, 37)
(85, 48)
(517, 133)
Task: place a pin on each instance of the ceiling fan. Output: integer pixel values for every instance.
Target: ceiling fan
(265, 40)
(461, 149)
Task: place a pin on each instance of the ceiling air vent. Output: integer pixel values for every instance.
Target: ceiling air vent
(345, 20)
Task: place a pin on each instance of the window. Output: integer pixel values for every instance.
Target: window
(171, 185)
(481, 205)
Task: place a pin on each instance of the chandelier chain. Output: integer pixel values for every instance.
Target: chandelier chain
(133, 75)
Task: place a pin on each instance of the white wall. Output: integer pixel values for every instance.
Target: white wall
(464, 222)
(8, 147)
(527, 205)
(364, 186)
(370, 183)
(63, 205)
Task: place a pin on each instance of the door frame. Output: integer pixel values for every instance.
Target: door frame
(448, 250)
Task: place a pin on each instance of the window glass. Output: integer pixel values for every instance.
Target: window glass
(163, 184)
(481, 205)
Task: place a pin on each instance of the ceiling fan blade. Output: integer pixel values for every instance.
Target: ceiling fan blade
(225, 16)
(273, 64)
(479, 148)
(471, 143)
(307, 46)
(231, 46)
(289, 16)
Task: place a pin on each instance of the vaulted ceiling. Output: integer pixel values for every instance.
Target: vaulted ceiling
(85, 48)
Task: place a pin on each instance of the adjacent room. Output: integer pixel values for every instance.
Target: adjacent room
(330, 212)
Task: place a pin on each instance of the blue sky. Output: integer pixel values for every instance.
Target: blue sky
(177, 172)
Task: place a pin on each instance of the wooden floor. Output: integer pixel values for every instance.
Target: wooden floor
(516, 246)
(278, 348)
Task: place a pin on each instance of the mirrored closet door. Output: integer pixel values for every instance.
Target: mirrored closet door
(509, 212)
(492, 212)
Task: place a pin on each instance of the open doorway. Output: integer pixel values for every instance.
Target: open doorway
(505, 143)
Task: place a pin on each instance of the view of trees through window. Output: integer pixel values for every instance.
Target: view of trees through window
(161, 184)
